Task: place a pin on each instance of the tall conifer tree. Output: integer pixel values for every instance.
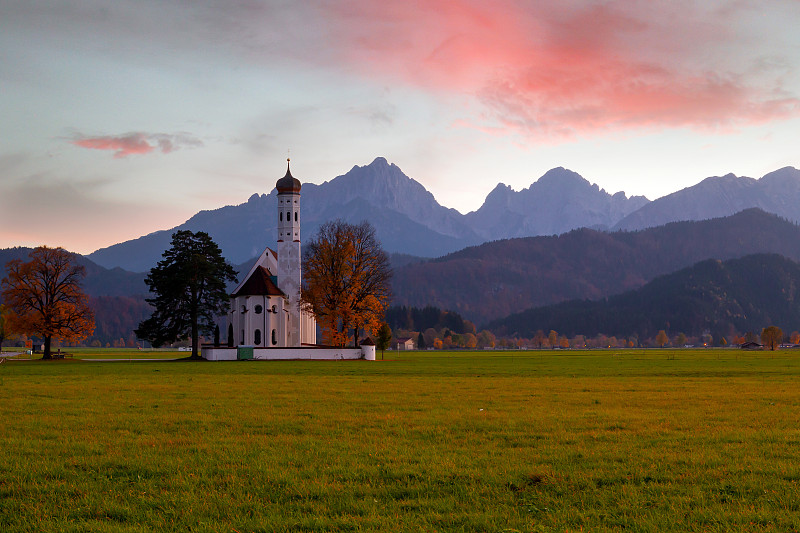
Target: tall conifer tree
(188, 288)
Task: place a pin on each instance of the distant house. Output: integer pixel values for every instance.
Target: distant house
(751, 346)
(403, 343)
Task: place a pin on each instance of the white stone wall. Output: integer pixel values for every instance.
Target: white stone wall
(275, 354)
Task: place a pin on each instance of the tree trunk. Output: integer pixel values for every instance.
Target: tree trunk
(47, 354)
(195, 350)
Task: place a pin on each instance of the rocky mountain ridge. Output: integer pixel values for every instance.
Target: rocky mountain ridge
(777, 192)
(406, 216)
(409, 220)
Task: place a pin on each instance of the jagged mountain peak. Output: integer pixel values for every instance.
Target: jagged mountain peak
(559, 201)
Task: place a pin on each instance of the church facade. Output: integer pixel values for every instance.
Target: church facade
(265, 309)
(265, 318)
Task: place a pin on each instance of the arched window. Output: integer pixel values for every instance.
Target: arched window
(288, 216)
(242, 337)
(257, 337)
(274, 337)
(281, 215)
(258, 309)
(295, 217)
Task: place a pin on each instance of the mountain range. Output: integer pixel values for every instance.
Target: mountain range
(777, 192)
(724, 299)
(409, 220)
(406, 216)
(493, 280)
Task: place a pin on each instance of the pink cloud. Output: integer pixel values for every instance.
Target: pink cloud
(123, 145)
(136, 143)
(561, 69)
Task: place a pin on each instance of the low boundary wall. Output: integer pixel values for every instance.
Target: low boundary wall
(325, 353)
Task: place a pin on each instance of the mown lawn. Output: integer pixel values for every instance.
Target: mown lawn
(505, 441)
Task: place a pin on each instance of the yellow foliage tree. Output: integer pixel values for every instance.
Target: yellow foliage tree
(346, 278)
(552, 338)
(771, 336)
(661, 338)
(470, 340)
(45, 298)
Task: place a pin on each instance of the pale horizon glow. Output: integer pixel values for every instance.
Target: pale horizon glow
(125, 118)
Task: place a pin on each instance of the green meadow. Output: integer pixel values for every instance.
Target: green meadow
(470, 441)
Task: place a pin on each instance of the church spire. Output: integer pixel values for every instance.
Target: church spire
(288, 183)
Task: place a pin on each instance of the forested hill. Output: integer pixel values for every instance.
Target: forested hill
(724, 298)
(495, 279)
(98, 281)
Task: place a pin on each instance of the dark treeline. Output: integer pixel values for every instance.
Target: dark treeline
(723, 299)
(416, 319)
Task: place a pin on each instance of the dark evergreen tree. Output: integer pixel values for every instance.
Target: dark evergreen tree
(189, 290)
(421, 342)
(384, 337)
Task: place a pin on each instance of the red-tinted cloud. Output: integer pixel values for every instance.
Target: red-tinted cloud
(560, 69)
(136, 143)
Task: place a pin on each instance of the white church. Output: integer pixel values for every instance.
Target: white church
(265, 319)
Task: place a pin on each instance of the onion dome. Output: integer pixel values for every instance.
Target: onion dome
(288, 183)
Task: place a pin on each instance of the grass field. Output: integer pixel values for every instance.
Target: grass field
(489, 441)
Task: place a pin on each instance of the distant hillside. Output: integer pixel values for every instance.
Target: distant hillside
(496, 279)
(723, 298)
(99, 281)
(777, 192)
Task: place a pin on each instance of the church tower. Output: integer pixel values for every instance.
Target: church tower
(289, 261)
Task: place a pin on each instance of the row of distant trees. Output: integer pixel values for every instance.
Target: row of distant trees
(771, 337)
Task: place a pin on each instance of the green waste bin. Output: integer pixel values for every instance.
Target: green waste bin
(244, 352)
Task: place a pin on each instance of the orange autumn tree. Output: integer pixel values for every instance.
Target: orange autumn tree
(771, 336)
(45, 298)
(346, 278)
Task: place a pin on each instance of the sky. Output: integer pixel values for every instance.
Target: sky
(120, 118)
